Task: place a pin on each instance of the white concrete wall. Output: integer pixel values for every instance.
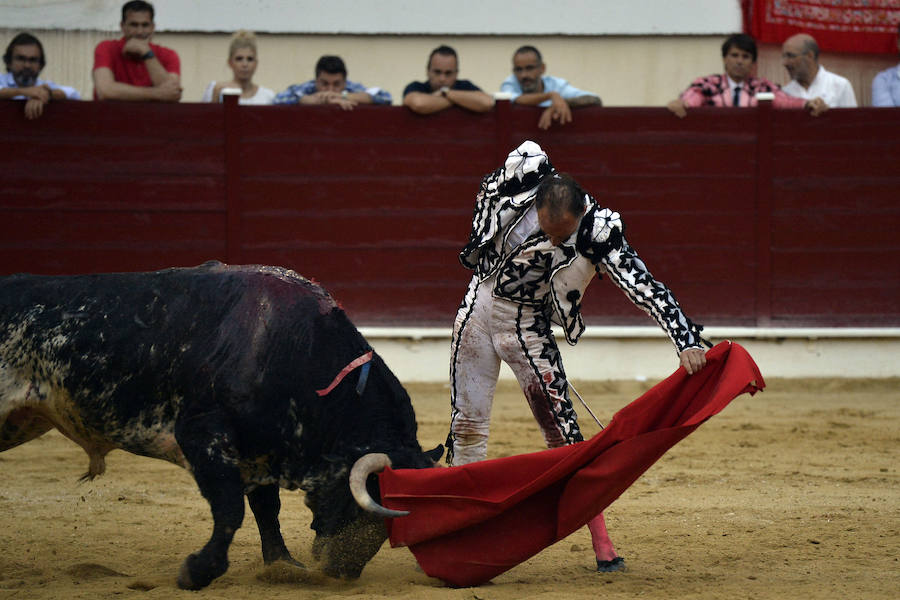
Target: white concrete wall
(467, 17)
(645, 354)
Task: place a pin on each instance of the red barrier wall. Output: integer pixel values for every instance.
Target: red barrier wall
(752, 216)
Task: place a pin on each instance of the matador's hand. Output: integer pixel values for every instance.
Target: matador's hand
(693, 359)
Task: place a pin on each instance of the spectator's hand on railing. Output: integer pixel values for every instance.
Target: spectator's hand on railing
(546, 118)
(34, 108)
(168, 91)
(550, 114)
(344, 103)
(37, 92)
(559, 110)
(443, 94)
(330, 97)
(36, 97)
(816, 106)
(678, 108)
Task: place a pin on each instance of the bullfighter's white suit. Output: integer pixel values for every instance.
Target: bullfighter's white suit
(522, 284)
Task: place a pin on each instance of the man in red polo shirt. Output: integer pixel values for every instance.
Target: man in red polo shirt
(131, 68)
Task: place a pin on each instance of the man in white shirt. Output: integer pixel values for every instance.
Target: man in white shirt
(809, 79)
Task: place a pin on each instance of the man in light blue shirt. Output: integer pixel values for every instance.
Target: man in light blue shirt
(528, 85)
(886, 85)
(24, 59)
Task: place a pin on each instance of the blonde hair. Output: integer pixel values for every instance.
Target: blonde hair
(242, 39)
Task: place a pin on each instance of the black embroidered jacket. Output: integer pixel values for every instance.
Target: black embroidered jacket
(554, 279)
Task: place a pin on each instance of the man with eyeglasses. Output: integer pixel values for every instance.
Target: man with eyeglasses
(529, 86)
(809, 79)
(25, 60)
(443, 88)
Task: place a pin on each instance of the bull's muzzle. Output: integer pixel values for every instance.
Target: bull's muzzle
(345, 554)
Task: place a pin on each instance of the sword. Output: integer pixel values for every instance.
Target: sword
(583, 403)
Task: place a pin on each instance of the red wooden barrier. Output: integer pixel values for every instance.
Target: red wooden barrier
(752, 216)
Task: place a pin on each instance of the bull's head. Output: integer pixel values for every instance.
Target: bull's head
(348, 533)
(349, 524)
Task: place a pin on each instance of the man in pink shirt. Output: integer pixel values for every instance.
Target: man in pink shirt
(131, 68)
(737, 87)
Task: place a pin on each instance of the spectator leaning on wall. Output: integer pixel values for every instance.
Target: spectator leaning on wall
(443, 88)
(132, 68)
(243, 60)
(809, 79)
(331, 86)
(530, 86)
(737, 86)
(24, 58)
(886, 85)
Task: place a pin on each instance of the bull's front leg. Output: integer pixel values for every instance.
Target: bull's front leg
(265, 504)
(206, 443)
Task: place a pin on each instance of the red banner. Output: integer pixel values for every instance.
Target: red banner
(868, 26)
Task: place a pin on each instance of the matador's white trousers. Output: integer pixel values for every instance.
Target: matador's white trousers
(488, 330)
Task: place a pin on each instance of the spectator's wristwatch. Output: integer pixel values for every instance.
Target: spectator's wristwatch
(444, 91)
(148, 55)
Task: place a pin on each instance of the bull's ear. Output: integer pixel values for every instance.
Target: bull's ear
(435, 454)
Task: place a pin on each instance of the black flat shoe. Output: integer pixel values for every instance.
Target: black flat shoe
(609, 566)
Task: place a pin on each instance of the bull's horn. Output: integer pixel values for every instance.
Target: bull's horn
(365, 466)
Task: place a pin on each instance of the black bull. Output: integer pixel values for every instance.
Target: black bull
(216, 369)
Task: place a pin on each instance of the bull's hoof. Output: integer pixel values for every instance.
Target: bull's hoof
(196, 574)
(285, 559)
(281, 556)
(610, 566)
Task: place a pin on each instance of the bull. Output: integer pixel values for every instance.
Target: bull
(250, 377)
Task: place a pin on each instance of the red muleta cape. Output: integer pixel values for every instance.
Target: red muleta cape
(471, 523)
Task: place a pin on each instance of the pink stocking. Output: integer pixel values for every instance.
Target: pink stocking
(603, 546)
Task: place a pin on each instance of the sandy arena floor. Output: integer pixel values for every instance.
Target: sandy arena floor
(793, 493)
